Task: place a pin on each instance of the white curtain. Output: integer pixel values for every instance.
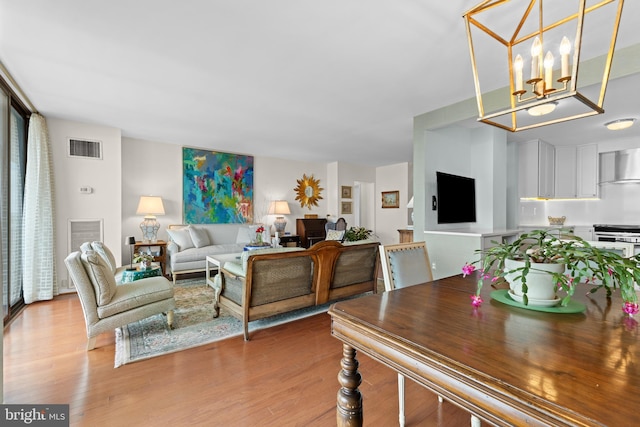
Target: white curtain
(39, 267)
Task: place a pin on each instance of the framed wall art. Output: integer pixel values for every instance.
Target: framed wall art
(390, 199)
(346, 192)
(216, 187)
(345, 208)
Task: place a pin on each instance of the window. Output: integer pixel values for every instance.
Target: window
(14, 118)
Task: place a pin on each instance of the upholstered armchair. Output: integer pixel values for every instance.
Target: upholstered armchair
(335, 230)
(107, 305)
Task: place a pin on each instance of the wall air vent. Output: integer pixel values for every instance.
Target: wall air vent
(85, 148)
(83, 230)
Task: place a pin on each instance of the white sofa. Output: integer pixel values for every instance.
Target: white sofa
(189, 245)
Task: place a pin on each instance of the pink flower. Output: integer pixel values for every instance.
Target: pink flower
(630, 308)
(476, 300)
(610, 271)
(495, 279)
(468, 269)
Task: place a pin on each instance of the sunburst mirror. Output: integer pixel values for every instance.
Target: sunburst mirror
(308, 191)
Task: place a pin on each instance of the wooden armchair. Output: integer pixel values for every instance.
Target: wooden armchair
(272, 283)
(346, 269)
(107, 306)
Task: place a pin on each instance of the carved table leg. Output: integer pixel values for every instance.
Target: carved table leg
(349, 408)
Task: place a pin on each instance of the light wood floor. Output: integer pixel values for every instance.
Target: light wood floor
(284, 376)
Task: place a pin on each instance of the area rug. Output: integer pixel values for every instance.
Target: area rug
(193, 325)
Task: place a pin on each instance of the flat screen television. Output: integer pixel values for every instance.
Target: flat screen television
(456, 199)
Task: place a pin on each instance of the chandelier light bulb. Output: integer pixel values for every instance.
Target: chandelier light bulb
(548, 70)
(518, 64)
(536, 49)
(565, 49)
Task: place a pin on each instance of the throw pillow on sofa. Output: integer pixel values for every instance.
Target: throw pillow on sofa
(199, 237)
(102, 279)
(181, 237)
(106, 255)
(103, 251)
(335, 235)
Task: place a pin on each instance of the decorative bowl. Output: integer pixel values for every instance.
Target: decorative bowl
(557, 220)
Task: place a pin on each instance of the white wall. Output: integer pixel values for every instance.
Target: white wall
(362, 180)
(104, 176)
(134, 167)
(275, 179)
(149, 169)
(389, 220)
(161, 175)
(480, 154)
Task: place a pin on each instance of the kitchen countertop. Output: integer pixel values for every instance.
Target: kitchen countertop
(475, 232)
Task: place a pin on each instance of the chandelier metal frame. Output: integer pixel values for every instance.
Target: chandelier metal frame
(541, 88)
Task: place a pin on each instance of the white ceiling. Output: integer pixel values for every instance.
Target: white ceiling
(299, 79)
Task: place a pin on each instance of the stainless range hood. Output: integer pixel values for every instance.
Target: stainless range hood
(627, 166)
(620, 167)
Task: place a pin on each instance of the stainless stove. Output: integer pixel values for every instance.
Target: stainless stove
(618, 233)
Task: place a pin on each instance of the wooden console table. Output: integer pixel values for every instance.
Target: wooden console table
(405, 235)
(506, 365)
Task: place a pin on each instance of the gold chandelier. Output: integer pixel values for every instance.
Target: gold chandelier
(519, 42)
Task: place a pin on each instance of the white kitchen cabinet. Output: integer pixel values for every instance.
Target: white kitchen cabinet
(587, 170)
(584, 232)
(566, 172)
(606, 166)
(489, 241)
(576, 171)
(536, 161)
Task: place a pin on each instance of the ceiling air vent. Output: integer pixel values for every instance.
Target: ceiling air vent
(85, 148)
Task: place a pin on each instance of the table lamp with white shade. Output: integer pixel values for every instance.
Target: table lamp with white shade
(150, 206)
(279, 207)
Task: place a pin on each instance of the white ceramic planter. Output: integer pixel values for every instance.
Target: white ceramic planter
(540, 284)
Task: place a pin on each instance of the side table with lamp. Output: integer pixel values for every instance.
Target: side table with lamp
(160, 256)
(150, 206)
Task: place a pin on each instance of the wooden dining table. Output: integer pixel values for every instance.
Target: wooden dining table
(507, 365)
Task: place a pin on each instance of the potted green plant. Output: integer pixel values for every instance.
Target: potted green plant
(354, 234)
(145, 259)
(580, 264)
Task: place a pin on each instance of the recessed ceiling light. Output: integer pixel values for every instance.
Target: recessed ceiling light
(542, 109)
(620, 124)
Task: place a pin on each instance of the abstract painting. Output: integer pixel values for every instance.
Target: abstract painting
(216, 187)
